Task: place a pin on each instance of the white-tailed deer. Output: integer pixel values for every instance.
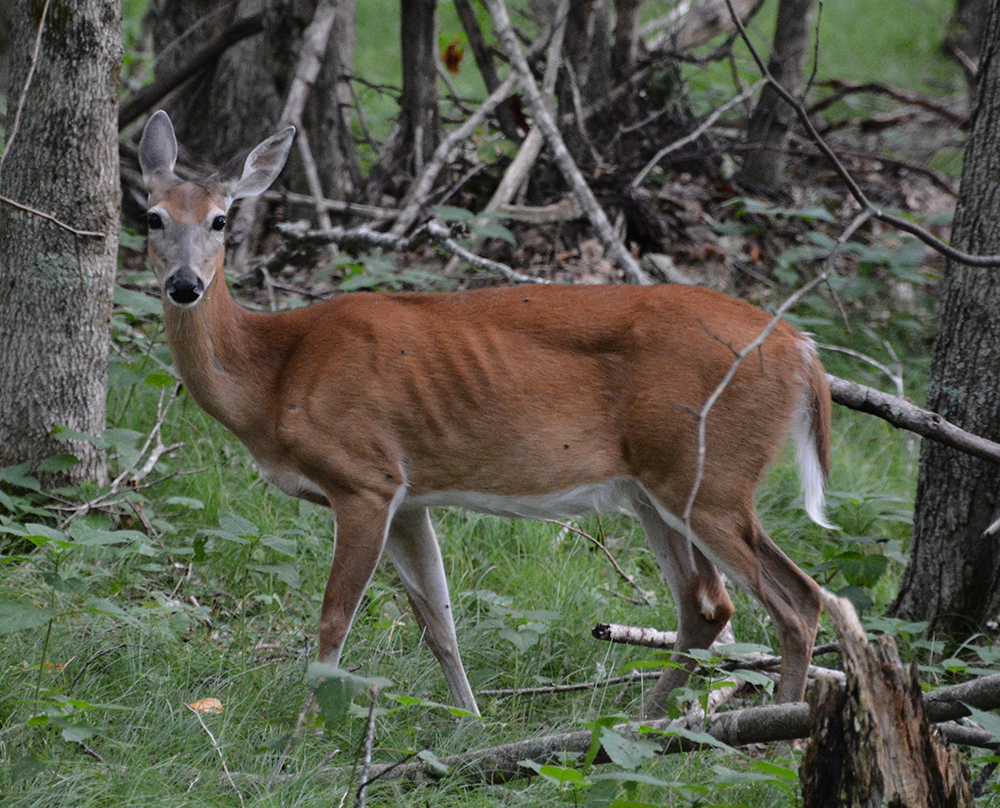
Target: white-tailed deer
(535, 402)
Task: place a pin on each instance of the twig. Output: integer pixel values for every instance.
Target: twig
(134, 473)
(852, 186)
(697, 133)
(841, 89)
(790, 301)
(12, 135)
(421, 188)
(720, 389)
(546, 122)
(49, 217)
(603, 548)
(222, 757)
(359, 801)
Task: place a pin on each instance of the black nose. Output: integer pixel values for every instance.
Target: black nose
(184, 288)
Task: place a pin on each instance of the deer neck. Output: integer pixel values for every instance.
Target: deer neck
(215, 348)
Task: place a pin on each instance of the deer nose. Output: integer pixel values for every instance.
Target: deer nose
(184, 288)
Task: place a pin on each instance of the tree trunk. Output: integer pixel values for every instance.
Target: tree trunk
(56, 288)
(965, 37)
(421, 120)
(237, 102)
(953, 577)
(767, 132)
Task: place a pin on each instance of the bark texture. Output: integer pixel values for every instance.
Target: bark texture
(953, 577)
(56, 288)
(767, 132)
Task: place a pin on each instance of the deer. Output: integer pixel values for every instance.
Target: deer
(536, 402)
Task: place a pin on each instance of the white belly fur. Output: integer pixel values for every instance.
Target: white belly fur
(617, 494)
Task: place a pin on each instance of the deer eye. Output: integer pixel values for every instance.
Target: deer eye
(154, 220)
(219, 222)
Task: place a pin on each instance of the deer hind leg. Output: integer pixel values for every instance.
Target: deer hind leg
(414, 551)
(734, 539)
(793, 601)
(703, 605)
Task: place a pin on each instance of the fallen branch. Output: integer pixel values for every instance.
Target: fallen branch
(766, 724)
(903, 414)
(432, 232)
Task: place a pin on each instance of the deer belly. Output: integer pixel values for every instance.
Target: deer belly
(618, 494)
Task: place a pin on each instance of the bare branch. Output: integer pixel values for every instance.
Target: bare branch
(896, 221)
(146, 97)
(422, 187)
(906, 415)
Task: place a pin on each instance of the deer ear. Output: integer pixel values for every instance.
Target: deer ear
(157, 149)
(259, 170)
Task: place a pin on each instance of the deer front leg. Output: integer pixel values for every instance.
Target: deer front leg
(361, 525)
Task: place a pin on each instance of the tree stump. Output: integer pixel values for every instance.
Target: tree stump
(871, 743)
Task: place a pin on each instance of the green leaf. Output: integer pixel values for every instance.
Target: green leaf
(22, 615)
(452, 214)
(288, 547)
(138, 302)
(988, 721)
(702, 738)
(863, 570)
(18, 475)
(159, 380)
(428, 757)
(187, 502)
(284, 572)
(560, 775)
(234, 523)
(625, 752)
(497, 231)
(57, 463)
(337, 688)
(78, 733)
